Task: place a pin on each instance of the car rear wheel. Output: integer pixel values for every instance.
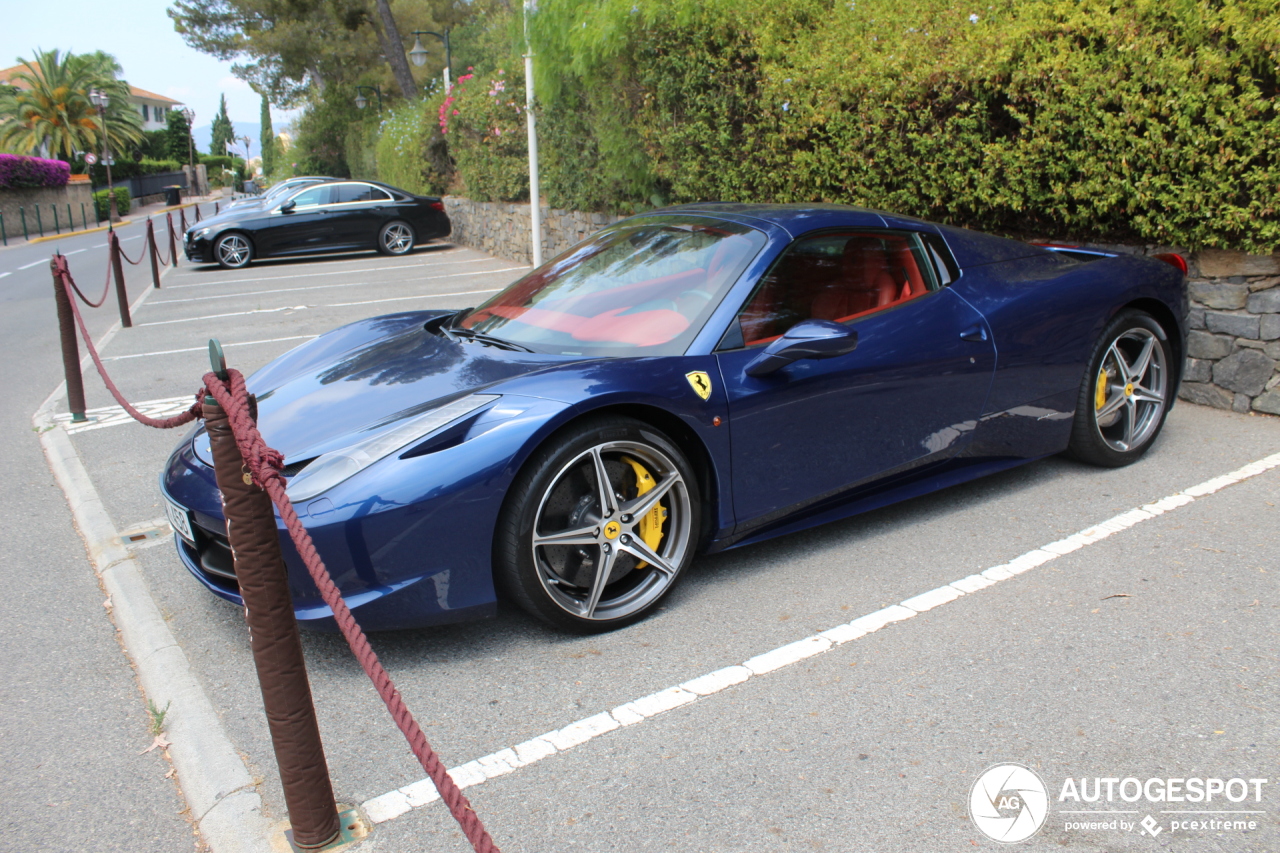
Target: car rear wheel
(599, 526)
(1125, 395)
(395, 238)
(232, 251)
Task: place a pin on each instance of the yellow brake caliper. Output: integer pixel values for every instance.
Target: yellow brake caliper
(650, 527)
(1100, 398)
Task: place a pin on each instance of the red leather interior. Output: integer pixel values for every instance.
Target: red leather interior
(874, 271)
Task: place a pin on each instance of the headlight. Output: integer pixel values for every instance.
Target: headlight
(204, 232)
(332, 468)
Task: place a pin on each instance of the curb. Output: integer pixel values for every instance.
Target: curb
(46, 238)
(218, 788)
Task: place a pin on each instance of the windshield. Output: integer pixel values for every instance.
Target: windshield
(644, 287)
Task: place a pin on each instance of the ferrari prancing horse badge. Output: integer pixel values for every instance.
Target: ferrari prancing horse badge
(701, 383)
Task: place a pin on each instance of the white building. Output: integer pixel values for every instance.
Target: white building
(153, 108)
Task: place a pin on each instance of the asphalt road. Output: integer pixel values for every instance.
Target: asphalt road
(73, 723)
(1151, 653)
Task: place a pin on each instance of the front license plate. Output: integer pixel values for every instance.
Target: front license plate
(180, 519)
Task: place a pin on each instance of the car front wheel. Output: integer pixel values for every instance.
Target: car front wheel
(1125, 395)
(599, 526)
(232, 251)
(395, 238)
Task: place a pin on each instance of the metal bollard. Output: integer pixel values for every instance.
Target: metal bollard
(117, 269)
(39, 221)
(152, 250)
(4, 238)
(57, 229)
(71, 220)
(70, 351)
(197, 209)
(173, 243)
(22, 211)
(84, 220)
(273, 639)
(216, 209)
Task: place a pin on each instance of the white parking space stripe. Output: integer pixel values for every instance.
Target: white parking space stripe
(324, 286)
(35, 264)
(338, 272)
(206, 349)
(98, 246)
(3, 274)
(402, 800)
(232, 314)
(76, 252)
(419, 296)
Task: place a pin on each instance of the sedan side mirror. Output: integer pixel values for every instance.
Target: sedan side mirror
(288, 206)
(806, 339)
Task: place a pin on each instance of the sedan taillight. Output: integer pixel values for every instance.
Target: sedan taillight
(1173, 260)
(436, 205)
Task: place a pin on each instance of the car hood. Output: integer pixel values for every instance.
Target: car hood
(321, 408)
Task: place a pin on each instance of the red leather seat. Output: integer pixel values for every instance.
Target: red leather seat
(865, 282)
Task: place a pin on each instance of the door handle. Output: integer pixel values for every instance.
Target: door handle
(976, 332)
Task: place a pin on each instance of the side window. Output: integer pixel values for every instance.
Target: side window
(352, 193)
(311, 198)
(836, 277)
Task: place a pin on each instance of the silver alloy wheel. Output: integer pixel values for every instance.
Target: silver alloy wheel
(588, 548)
(233, 251)
(397, 238)
(1131, 390)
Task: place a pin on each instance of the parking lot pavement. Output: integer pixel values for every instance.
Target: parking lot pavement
(1148, 653)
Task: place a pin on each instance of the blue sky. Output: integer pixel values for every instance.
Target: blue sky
(142, 38)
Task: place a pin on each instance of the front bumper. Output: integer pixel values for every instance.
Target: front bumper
(198, 250)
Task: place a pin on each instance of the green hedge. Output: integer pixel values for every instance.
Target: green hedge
(100, 203)
(123, 168)
(1142, 121)
(411, 149)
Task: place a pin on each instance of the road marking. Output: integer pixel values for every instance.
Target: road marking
(76, 252)
(3, 274)
(232, 314)
(335, 272)
(206, 349)
(321, 286)
(35, 264)
(107, 416)
(98, 246)
(419, 296)
(403, 800)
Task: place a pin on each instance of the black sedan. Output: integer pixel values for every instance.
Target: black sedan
(332, 217)
(279, 191)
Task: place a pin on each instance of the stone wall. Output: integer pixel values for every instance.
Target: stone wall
(14, 201)
(1233, 347)
(502, 229)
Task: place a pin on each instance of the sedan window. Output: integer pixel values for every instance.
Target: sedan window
(836, 277)
(353, 193)
(311, 197)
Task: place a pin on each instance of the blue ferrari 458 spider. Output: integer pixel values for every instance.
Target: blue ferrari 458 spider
(683, 382)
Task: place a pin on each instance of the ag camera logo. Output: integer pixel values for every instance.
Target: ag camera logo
(1009, 803)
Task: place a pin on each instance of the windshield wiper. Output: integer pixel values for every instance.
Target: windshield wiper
(481, 337)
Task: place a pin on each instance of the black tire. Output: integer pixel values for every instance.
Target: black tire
(1120, 414)
(396, 238)
(233, 250)
(556, 494)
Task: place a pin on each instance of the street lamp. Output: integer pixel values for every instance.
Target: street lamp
(101, 100)
(418, 54)
(190, 115)
(362, 101)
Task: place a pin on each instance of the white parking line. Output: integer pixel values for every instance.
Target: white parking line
(320, 286)
(232, 314)
(35, 264)
(337, 272)
(402, 800)
(98, 246)
(419, 296)
(3, 274)
(76, 252)
(206, 349)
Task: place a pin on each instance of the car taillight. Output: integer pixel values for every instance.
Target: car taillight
(436, 205)
(1174, 260)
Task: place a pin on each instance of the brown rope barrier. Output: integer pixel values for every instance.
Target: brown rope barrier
(132, 262)
(263, 464)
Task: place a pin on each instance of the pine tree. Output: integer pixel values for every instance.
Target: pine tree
(177, 146)
(268, 139)
(222, 130)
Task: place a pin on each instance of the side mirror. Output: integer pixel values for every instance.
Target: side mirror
(806, 339)
(288, 206)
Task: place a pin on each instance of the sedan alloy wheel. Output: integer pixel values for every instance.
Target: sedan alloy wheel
(232, 251)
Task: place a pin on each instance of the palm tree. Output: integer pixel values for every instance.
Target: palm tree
(53, 115)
